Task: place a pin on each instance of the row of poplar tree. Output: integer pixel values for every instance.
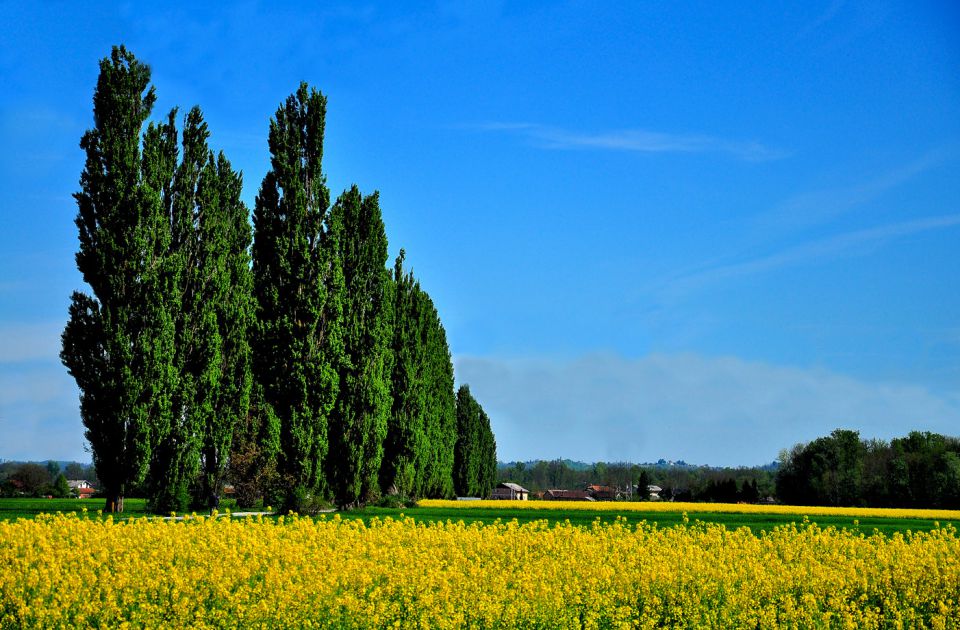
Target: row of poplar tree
(286, 358)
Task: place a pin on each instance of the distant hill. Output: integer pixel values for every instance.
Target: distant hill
(569, 463)
(659, 464)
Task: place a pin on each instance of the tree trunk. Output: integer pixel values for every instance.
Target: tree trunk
(114, 503)
(213, 498)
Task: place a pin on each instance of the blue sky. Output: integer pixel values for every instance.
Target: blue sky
(699, 231)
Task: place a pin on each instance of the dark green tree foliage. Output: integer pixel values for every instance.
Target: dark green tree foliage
(474, 454)
(298, 286)
(418, 452)
(466, 455)
(226, 236)
(405, 445)
(720, 491)
(924, 471)
(358, 425)
(750, 492)
(441, 419)
(76, 470)
(61, 489)
(187, 358)
(488, 457)
(118, 342)
(877, 483)
(208, 286)
(643, 481)
(31, 478)
(921, 470)
(828, 471)
(175, 456)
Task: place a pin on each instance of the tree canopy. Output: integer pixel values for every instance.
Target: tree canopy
(285, 356)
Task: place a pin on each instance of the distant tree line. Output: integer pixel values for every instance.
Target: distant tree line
(286, 358)
(681, 482)
(921, 470)
(37, 479)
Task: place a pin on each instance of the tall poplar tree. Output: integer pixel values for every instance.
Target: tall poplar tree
(175, 457)
(475, 454)
(359, 422)
(405, 444)
(421, 433)
(298, 285)
(226, 237)
(207, 288)
(487, 470)
(466, 453)
(118, 342)
(441, 417)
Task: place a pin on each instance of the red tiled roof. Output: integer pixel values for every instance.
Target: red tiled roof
(567, 495)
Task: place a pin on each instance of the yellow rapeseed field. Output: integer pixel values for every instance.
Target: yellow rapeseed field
(677, 506)
(68, 571)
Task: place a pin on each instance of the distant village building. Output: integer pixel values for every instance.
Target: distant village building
(511, 492)
(83, 488)
(601, 493)
(567, 495)
(653, 492)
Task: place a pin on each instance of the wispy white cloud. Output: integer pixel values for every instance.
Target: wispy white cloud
(821, 206)
(637, 140)
(825, 17)
(711, 410)
(842, 23)
(815, 251)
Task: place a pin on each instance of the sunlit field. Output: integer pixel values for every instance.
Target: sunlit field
(755, 517)
(70, 571)
(672, 506)
(11, 509)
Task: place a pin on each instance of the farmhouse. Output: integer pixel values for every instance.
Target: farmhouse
(510, 492)
(567, 495)
(601, 493)
(83, 488)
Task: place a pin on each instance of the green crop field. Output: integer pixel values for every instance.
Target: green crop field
(29, 508)
(11, 509)
(756, 522)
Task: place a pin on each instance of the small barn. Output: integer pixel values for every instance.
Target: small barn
(510, 492)
(567, 495)
(601, 493)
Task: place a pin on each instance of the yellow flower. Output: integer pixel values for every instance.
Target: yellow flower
(66, 571)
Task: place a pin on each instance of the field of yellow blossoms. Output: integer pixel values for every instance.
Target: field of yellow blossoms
(74, 571)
